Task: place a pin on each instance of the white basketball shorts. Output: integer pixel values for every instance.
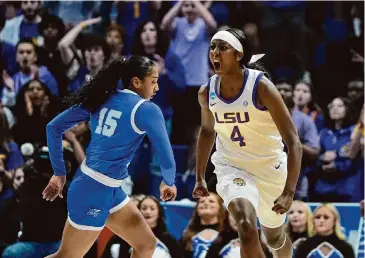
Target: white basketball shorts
(260, 190)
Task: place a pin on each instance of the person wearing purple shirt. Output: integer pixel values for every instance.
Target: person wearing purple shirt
(308, 136)
(191, 36)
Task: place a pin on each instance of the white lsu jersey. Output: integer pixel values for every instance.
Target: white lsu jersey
(247, 136)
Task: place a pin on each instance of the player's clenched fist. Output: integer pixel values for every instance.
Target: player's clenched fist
(200, 189)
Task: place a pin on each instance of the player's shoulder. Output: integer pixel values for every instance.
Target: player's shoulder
(149, 108)
(204, 91)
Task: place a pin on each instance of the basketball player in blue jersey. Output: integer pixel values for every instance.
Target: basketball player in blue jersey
(119, 120)
(243, 112)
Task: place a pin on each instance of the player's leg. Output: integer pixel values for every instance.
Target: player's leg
(278, 240)
(244, 214)
(75, 243)
(240, 194)
(88, 204)
(272, 224)
(127, 222)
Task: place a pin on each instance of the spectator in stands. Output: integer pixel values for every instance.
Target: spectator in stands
(227, 243)
(355, 93)
(9, 149)
(6, 190)
(115, 39)
(304, 101)
(308, 136)
(204, 226)
(153, 213)
(191, 43)
(23, 26)
(151, 42)
(10, 9)
(41, 222)
(327, 238)
(7, 54)
(357, 139)
(35, 107)
(26, 56)
(337, 178)
(9, 206)
(52, 29)
(130, 14)
(356, 151)
(283, 28)
(96, 53)
(300, 222)
(72, 12)
(137, 198)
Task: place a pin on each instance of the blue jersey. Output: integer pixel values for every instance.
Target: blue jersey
(200, 244)
(117, 129)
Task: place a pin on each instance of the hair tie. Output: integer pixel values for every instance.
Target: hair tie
(255, 58)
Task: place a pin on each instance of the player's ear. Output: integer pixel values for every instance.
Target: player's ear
(136, 82)
(239, 55)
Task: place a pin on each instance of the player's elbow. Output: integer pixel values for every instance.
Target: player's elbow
(50, 127)
(294, 145)
(207, 131)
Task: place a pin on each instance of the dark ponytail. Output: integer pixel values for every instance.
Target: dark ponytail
(244, 62)
(98, 89)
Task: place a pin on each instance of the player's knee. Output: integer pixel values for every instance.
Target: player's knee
(275, 240)
(247, 228)
(147, 247)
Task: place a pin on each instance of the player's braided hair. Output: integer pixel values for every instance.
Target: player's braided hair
(98, 89)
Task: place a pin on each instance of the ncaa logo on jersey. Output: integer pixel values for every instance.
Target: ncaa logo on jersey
(239, 182)
(245, 103)
(213, 95)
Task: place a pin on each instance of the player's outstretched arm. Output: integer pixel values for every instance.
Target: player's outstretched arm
(205, 143)
(269, 97)
(149, 118)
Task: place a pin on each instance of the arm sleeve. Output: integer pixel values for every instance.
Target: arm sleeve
(149, 118)
(55, 130)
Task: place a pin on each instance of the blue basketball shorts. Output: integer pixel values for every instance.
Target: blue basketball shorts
(90, 200)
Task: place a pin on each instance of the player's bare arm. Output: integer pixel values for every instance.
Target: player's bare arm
(205, 143)
(270, 97)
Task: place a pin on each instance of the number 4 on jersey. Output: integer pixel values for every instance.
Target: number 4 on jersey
(107, 127)
(237, 136)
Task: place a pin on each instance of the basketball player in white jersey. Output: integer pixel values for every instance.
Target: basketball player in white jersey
(242, 109)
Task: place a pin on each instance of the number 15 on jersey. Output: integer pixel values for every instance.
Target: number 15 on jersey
(107, 127)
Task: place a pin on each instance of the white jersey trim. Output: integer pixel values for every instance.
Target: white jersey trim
(133, 114)
(101, 178)
(83, 227)
(128, 91)
(120, 205)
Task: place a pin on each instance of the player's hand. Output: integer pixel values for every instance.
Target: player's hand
(200, 190)
(167, 193)
(283, 203)
(54, 188)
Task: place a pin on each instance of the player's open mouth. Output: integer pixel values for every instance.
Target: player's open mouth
(216, 65)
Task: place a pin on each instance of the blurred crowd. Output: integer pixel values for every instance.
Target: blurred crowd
(313, 54)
